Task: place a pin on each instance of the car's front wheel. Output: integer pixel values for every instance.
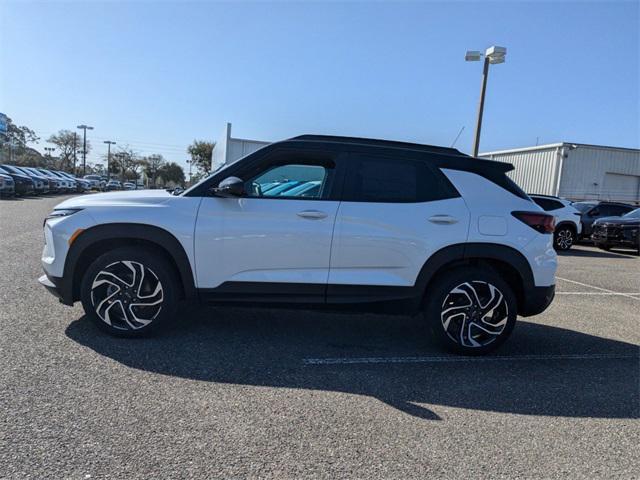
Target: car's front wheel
(471, 311)
(129, 291)
(564, 238)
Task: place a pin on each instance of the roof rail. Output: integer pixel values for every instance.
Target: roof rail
(382, 143)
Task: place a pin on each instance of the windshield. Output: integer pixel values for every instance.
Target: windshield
(583, 206)
(2, 170)
(633, 214)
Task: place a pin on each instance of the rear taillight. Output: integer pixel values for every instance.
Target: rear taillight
(540, 222)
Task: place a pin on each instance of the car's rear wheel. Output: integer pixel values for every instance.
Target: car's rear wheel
(471, 311)
(129, 291)
(563, 238)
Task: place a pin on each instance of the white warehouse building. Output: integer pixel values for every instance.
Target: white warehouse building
(575, 171)
(228, 149)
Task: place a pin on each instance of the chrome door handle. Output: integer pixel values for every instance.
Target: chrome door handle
(443, 219)
(312, 214)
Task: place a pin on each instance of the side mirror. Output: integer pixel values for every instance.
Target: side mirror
(229, 187)
(594, 213)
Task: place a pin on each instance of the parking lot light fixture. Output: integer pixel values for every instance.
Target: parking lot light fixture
(492, 55)
(84, 128)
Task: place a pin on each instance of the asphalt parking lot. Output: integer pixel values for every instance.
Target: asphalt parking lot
(229, 392)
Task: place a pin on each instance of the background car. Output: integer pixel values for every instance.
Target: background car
(23, 184)
(38, 178)
(72, 185)
(39, 185)
(591, 211)
(96, 182)
(568, 225)
(129, 186)
(7, 186)
(59, 184)
(624, 231)
(82, 185)
(113, 185)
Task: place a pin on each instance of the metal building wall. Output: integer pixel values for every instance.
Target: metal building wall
(537, 169)
(592, 172)
(228, 149)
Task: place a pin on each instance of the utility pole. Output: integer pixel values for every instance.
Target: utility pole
(75, 144)
(109, 143)
(84, 128)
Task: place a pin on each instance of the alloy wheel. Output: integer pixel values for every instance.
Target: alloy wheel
(474, 314)
(127, 295)
(564, 239)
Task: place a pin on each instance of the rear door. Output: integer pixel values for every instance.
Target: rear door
(395, 213)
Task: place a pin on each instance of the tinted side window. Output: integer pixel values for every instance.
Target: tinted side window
(393, 180)
(548, 204)
(291, 180)
(619, 210)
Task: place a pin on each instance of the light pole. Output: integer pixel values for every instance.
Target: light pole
(84, 147)
(49, 150)
(492, 55)
(109, 143)
(75, 147)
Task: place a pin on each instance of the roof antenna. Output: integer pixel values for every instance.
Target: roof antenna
(459, 133)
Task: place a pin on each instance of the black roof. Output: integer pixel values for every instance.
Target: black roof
(448, 157)
(380, 143)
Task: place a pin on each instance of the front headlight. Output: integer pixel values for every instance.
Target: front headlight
(63, 212)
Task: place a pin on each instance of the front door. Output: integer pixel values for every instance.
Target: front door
(276, 240)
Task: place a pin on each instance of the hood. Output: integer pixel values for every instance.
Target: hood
(121, 198)
(617, 221)
(20, 176)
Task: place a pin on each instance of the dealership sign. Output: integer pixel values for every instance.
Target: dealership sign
(3, 123)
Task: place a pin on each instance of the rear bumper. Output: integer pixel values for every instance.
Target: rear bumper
(537, 300)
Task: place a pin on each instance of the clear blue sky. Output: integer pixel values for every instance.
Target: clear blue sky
(157, 75)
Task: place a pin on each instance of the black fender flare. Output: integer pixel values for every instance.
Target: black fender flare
(127, 231)
(476, 251)
(567, 223)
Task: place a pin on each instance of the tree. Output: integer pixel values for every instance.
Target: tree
(201, 153)
(14, 143)
(153, 164)
(171, 173)
(126, 163)
(20, 136)
(67, 142)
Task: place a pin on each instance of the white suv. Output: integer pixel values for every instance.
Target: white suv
(568, 225)
(389, 226)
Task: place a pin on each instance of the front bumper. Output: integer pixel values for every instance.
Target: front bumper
(54, 287)
(536, 300)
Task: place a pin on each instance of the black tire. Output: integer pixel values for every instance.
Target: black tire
(452, 295)
(563, 238)
(129, 292)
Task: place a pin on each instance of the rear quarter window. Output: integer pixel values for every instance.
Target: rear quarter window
(382, 179)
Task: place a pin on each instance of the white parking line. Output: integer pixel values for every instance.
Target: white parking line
(452, 359)
(596, 293)
(629, 295)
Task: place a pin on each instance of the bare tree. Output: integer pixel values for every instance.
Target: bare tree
(67, 143)
(153, 164)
